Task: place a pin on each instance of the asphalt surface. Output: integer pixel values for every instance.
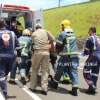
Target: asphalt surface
(20, 92)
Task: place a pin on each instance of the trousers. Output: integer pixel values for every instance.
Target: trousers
(40, 60)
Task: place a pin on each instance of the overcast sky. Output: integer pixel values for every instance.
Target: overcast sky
(40, 4)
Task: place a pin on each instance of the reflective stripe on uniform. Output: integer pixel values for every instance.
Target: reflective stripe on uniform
(94, 41)
(94, 74)
(86, 49)
(56, 81)
(75, 85)
(69, 53)
(70, 38)
(86, 71)
(2, 78)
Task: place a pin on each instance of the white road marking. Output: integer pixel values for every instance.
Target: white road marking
(25, 88)
(34, 96)
(1, 97)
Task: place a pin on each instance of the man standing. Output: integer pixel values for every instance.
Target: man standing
(66, 46)
(25, 42)
(92, 65)
(40, 58)
(8, 42)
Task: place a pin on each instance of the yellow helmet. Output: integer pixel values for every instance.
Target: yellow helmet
(26, 32)
(66, 23)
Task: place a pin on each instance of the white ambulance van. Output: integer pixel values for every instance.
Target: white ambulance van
(27, 17)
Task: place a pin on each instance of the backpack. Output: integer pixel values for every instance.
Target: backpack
(70, 43)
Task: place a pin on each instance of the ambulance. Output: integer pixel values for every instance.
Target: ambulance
(27, 17)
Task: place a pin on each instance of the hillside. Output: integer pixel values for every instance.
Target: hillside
(82, 17)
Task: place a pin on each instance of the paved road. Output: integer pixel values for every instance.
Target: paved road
(17, 92)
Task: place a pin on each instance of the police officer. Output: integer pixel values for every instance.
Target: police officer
(8, 42)
(40, 58)
(92, 65)
(66, 46)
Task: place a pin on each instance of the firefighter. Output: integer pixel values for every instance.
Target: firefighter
(92, 65)
(66, 46)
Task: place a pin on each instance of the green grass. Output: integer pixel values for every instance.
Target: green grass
(94, 0)
(82, 17)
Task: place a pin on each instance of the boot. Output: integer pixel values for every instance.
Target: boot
(12, 81)
(74, 91)
(44, 92)
(23, 80)
(91, 90)
(53, 84)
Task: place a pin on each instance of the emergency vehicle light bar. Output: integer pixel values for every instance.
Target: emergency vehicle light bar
(14, 7)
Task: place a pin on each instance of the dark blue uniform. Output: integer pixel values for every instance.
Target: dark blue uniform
(8, 42)
(92, 65)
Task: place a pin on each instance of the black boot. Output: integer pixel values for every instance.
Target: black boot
(12, 81)
(53, 84)
(91, 90)
(74, 91)
(44, 92)
(23, 80)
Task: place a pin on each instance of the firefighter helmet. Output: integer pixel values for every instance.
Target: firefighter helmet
(26, 32)
(66, 23)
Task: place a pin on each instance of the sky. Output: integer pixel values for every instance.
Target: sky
(40, 4)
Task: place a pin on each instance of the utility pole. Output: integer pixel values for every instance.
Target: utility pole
(59, 3)
(0, 10)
